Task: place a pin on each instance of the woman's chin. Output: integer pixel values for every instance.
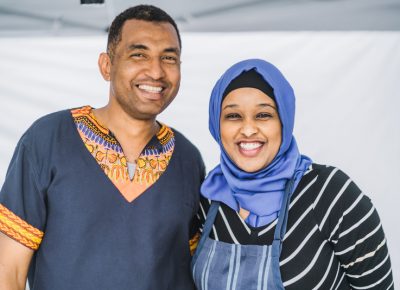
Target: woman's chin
(251, 165)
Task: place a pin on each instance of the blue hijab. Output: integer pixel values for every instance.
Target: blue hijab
(260, 192)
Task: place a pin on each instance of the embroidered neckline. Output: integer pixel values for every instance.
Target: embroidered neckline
(107, 151)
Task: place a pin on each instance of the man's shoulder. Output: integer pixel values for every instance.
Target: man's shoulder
(51, 120)
(183, 143)
(184, 147)
(47, 127)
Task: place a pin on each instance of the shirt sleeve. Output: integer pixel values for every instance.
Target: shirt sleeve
(197, 222)
(351, 224)
(22, 204)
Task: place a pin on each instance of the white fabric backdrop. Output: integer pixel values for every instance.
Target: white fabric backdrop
(347, 87)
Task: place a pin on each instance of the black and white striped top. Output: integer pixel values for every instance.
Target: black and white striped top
(334, 237)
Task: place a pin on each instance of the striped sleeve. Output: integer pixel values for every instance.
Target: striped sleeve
(19, 230)
(350, 223)
(22, 205)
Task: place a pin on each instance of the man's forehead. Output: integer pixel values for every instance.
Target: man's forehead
(135, 26)
(139, 32)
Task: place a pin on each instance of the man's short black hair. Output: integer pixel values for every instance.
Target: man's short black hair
(140, 12)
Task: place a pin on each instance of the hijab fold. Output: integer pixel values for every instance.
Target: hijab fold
(260, 192)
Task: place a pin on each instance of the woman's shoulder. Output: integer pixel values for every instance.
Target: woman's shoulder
(322, 185)
(323, 176)
(328, 192)
(322, 170)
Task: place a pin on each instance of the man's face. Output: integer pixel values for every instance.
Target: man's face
(145, 70)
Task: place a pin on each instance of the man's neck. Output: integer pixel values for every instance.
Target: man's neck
(132, 134)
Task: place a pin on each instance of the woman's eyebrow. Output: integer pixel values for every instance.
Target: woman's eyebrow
(266, 105)
(262, 105)
(230, 106)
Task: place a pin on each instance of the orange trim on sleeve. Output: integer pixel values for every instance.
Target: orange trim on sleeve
(193, 242)
(19, 230)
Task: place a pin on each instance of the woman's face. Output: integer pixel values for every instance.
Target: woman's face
(251, 131)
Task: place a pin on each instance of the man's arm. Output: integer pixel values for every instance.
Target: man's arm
(14, 263)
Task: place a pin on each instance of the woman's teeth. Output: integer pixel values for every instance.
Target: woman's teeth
(250, 146)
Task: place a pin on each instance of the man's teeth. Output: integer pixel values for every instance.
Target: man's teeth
(150, 89)
(250, 146)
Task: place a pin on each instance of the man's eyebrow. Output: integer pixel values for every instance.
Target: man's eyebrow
(137, 46)
(172, 49)
(144, 47)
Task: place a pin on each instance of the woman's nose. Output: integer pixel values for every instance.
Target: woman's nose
(249, 128)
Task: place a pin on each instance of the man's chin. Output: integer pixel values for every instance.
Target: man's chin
(145, 115)
(142, 109)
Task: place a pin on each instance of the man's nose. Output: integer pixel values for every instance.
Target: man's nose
(155, 69)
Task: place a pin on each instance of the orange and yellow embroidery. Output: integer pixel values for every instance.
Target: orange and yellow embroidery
(193, 242)
(19, 230)
(151, 164)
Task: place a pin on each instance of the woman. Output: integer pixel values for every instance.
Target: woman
(272, 219)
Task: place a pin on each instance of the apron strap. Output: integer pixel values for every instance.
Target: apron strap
(280, 229)
(212, 213)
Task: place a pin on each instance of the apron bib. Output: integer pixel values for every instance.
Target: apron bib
(223, 266)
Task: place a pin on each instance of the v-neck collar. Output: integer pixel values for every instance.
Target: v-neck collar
(155, 141)
(108, 153)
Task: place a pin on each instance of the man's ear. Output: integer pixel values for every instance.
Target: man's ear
(105, 65)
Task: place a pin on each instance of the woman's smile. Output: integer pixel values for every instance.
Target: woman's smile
(249, 148)
(250, 128)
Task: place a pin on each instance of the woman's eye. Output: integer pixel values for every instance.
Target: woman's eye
(232, 116)
(264, 115)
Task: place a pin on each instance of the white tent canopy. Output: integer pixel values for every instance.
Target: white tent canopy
(48, 17)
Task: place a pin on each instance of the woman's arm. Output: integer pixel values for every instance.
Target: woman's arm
(354, 230)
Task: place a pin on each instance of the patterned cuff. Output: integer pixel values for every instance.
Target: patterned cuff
(19, 230)
(193, 242)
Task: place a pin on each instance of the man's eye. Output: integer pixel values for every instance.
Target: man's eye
(137, 55)
(169, 59)
(232, 116)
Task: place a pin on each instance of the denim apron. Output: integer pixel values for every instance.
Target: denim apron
(223, 266)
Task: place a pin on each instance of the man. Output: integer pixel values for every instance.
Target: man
(105, 198)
